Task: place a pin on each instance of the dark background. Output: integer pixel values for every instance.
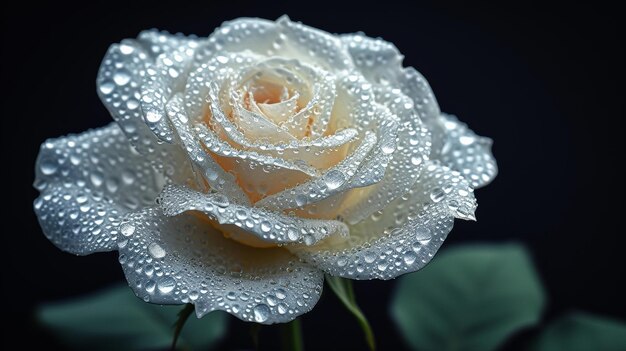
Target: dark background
(545, 82)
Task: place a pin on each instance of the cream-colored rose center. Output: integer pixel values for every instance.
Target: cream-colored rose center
(277, 106)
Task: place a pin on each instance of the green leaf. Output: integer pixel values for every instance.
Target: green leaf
(115, 319)
(343, 289)
(468, 298)
(582, 332)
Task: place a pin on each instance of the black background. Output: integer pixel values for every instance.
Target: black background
(545, 82)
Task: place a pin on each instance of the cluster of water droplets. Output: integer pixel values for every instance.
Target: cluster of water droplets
(402, 237)
(182, 260)
(87, 182)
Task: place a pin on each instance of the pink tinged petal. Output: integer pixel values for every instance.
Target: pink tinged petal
(87, 183)
(461, 149)
(270, 227)
(401, 238)
(177, 260)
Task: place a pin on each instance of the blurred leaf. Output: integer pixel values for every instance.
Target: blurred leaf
(117, 320)
(343, 289)
(582, 332)
(468, 298)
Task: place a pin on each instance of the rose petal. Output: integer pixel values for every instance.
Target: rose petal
(233, 171)
(157, 42)
(370, 172)
(334, 181)
(378, 60)
(404, 236)
(119, 87)
(167, 76)
(177, 260)
(461, 149)
(213, 173)
(381, 63)
(268, 226)
(354, 106)
(87, 182)
(281, 38)
(416, 87)
(310, 44)
(405, 165)
(319, 152)
(259, 175)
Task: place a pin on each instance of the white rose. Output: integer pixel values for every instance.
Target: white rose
(262, 157)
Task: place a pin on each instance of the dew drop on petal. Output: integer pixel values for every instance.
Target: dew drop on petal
(334, 179)
(156, 250)
(127, 229)
(261, 313)
(107, 88)
(48, 167)
(121, 77)
(266, 226)
(166, 285)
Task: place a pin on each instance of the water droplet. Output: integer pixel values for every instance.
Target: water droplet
(48, 167)
(334, 179)
(107, 88)
(280, 294)
(156, 250)
(292, 234)
(121, 77)
(96, 179)
(266, 226)
(409, 257)
(241, 214)
(422, 233)
(261, 313)
(437, 194)
(388, 147)
(127, 229)
(153, 117)
(282, 308)
(150, 285)
(301, 200)
(126, 49)
(166, 285)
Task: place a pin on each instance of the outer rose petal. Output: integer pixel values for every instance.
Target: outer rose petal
(461, 149)
(271, 227)
(281, 38)
(453, 143)
(87, 183)
(176, 260)
(406, 164)
(404, 236)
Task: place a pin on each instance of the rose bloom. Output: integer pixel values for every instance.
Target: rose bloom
(245, 165)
